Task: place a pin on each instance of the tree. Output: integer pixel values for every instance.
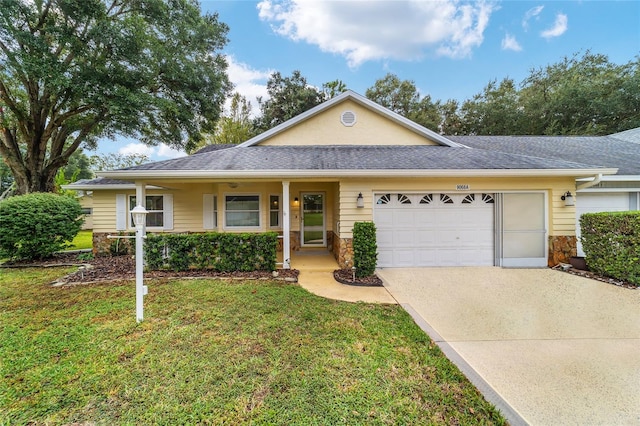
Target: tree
(331, 89)
(451, 123)
(234, 128)
(288, 97)
(402, 97)
(113, 161)
(73, 71)
(6, 179)
(495, 111)
(78, 167)
(585, 95)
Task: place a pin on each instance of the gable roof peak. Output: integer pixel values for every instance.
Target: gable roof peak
(366, 103)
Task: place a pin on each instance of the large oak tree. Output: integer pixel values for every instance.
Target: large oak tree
(74, 71)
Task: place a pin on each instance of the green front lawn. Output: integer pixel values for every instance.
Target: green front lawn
(218, 352)
(84, 240)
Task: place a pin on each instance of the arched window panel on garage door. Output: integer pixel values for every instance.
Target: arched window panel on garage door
(436, 229)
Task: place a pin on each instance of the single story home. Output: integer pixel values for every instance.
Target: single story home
(619, 192)
(435, 201)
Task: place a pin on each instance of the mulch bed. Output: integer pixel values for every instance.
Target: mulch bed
(118, 268)
(594, 276)
(123, 268)
(345, 276)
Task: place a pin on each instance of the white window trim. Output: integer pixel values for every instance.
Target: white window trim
(279, 226)
(167, 212)
(241, 228)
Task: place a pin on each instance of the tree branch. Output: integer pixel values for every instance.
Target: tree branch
(43, 17)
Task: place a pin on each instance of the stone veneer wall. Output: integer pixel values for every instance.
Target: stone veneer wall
(335, 245)
(343, 251)
(561, 248)
(102, 244)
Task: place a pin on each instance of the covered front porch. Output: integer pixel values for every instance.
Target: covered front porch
(306, 213)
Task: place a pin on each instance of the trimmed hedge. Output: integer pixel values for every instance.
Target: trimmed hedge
(611, 242)
(34, 226)
(365, 248)
(221, 252)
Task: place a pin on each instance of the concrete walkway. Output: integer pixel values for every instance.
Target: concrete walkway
(545, 347)
(316, 275)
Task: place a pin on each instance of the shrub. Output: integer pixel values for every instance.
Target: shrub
(611, 242)
(34, 226)
(218, 251)
(365, 248)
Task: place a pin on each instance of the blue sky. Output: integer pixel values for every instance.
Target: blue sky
(451, 49)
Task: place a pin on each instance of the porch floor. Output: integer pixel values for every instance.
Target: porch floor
(316, 276)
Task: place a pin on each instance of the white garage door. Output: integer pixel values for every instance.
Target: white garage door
(595, 203)
(434, 229)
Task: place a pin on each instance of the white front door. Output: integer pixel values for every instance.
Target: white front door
(313, 220)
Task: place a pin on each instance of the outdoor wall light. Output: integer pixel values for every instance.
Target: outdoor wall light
(296, 202)
(360, 201)
(568, 199)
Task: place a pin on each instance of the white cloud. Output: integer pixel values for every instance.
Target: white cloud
(362, 31)
(168, 152)
(161, 151)
(531, 13)
(250, 83)
(509, 42)
(136, 148)
(559, 27)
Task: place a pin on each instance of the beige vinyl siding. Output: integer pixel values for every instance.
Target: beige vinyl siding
(104, 211)
(370, 129)
(561, 218)
(86, 202)
(564, 222)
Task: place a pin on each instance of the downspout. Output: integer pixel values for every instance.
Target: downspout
(596, 180)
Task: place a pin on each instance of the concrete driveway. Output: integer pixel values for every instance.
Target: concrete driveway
(546, 347)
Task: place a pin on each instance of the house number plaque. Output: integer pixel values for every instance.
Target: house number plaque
(462, 187)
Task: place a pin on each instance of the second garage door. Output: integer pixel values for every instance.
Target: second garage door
(434, 229)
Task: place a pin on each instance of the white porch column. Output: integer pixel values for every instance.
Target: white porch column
(141, 197)
(286, 225)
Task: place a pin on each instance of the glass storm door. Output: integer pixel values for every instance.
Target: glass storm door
(524, 230)
(313, 226)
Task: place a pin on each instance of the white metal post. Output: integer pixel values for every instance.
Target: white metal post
(139, 273)
(139, 214)
(286, 224)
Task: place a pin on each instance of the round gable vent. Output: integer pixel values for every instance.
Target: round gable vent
(348, 118)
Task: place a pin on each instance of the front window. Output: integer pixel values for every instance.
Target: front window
(155, 206)
(242, 211)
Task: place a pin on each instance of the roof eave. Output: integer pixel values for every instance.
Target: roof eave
(333, 173)
(81, 187)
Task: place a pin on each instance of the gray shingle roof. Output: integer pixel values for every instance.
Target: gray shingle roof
(102, 181)
(607, 151)
(213, 147)
(632, 135)
(355, 158)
